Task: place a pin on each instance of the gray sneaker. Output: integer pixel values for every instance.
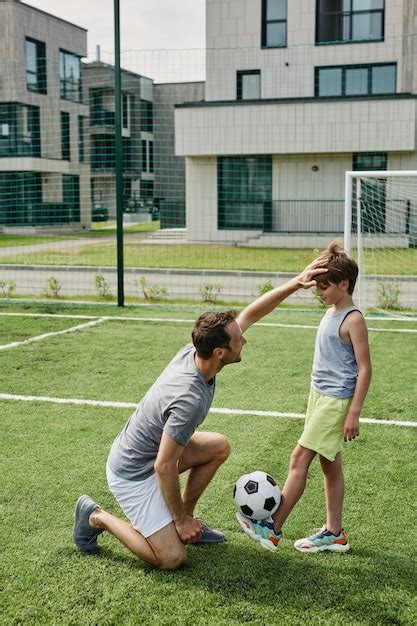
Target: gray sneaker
(209, 535)
(84, 535)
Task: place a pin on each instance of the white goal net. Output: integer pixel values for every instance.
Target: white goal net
(381, 234)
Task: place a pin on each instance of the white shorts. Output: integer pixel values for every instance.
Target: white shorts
(141, 502)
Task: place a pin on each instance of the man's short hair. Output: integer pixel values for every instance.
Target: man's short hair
(340, 266)
(210, 332)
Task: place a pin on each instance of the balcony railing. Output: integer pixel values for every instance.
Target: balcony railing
(283, 216)
(307, 216)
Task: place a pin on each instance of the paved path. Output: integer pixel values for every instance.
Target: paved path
(234, 286)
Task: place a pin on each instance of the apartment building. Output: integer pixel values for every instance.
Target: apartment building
(296, 94)
(137, 139)
(44, 175)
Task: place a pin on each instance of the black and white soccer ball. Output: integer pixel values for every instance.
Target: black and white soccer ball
(256, 495)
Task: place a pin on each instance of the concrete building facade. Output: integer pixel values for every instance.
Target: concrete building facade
(169, 168)
(296, 94)
(44, 174)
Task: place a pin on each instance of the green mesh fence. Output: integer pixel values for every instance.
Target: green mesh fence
(234, 157)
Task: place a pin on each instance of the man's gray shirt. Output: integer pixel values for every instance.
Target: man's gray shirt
(176, 404)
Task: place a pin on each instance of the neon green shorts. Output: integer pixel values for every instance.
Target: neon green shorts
(323, 427)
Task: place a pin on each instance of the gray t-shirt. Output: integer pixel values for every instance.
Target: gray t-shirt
(176, 404)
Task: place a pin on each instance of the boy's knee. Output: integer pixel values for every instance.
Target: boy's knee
(299, 458)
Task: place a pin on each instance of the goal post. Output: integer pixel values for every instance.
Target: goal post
(380, 232)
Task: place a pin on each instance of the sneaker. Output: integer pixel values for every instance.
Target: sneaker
(209, 535)
(84, 535)
(323, 540)
(261, 531)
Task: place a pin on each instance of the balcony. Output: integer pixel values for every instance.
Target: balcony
(297, 126)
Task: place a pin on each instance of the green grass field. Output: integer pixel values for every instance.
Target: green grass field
(185, 256)
(52, 452)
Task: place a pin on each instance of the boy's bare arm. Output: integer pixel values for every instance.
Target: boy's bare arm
(358, 333)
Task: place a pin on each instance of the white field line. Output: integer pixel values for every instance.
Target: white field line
(221, 411)
(174, 320)
(72, 329)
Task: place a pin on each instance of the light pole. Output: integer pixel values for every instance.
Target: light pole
(119, 156)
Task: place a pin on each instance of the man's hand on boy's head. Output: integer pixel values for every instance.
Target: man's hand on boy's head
(307, 277)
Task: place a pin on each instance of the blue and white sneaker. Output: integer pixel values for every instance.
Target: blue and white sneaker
(323, 540)
(261, 531)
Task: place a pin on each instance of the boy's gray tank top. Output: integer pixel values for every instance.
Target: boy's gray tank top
(335, 370)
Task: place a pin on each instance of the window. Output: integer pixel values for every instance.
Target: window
(146, 123)
(146, 188)
(126, 110)
(147, 156)
(21, 194)
(19, 130)
(70, 76)
(81, 151)
(274, 23)
(349, 20)
(65, 136)
(103, 153)
(356, 80)
(35, 65)
(71, 198)
(369, 161)
(248, 86)
(373, 193)
(244, 191)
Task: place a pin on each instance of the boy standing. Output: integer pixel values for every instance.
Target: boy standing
(340, 380)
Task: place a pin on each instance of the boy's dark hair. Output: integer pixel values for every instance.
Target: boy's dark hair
(210, 332)
(340, 266)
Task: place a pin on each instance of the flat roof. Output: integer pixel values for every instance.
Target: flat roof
(55, 17)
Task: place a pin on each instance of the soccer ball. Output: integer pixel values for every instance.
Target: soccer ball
(256, 495)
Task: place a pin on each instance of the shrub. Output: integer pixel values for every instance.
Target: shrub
(52, 288)
(151, 292)
(265, 287)
(387, 296)
(209, 292)
(102, 286)
(7, 287)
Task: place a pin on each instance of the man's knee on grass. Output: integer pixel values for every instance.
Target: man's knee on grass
(172, 561)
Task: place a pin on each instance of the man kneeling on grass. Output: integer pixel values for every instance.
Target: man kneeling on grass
(159, 442)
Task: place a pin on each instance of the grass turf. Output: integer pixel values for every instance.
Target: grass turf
(52, 453)
(211, 257)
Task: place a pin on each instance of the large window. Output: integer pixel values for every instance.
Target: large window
(349, 20)
(70, 76)
(19, 130)
(274, 23)
(65, 136)
(356, 80)
(146, 111)
(21, 194)
(248, 85)
(35, 65)
(245, 192)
